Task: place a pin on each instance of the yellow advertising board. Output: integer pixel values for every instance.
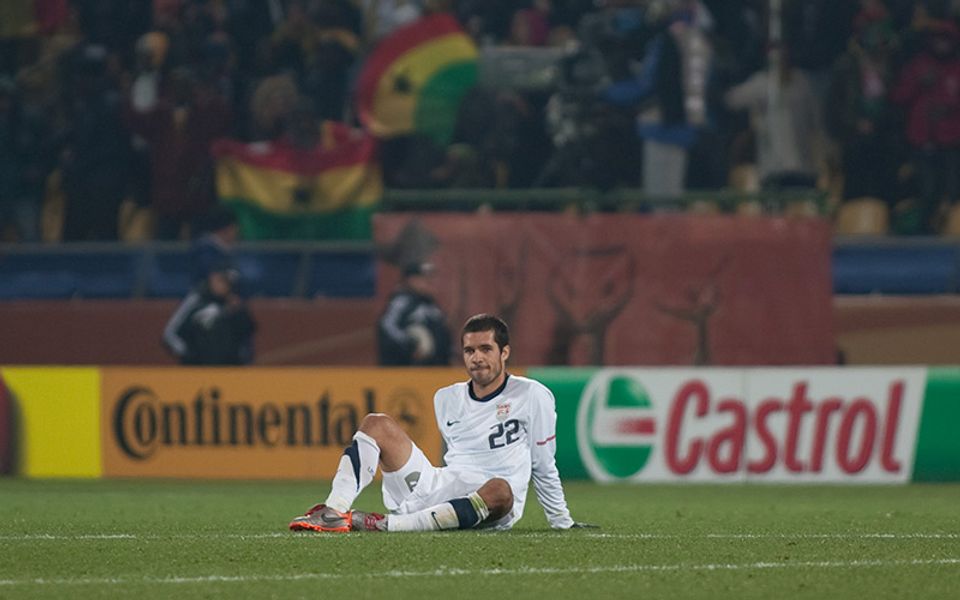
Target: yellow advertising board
(257, 423)
(58, 425)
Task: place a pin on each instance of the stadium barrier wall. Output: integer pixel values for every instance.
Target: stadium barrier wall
(803, 425)
(320, 331)
(874, 330)
(897, 330)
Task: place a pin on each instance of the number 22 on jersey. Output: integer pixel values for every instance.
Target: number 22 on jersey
(504, 434)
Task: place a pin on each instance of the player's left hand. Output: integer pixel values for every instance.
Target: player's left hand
(579, 525)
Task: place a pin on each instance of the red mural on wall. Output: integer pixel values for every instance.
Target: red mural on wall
(630, 289)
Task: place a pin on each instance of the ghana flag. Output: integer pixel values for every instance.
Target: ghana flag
(415, 78)
(279, 191)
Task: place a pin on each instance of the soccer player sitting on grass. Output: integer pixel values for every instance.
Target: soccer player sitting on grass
(499, 430)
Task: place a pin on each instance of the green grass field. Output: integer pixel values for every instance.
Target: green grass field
(187, 539)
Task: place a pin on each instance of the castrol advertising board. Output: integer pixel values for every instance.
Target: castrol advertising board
(774, 425)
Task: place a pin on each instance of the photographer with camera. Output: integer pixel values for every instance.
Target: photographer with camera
(212, 326)
(412, 330)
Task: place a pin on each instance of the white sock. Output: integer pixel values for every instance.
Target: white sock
(459, 513)
(357, 467)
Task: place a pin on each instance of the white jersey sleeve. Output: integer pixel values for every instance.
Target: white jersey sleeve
(543, 448)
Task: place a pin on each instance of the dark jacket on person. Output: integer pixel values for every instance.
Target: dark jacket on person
(207, 330)
(395, 341)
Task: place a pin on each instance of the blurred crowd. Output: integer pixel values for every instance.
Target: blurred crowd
(110, 106)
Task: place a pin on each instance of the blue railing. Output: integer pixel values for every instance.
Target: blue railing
(162, 270)
(348, 269)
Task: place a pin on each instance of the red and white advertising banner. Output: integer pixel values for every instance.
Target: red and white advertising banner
(774, 425)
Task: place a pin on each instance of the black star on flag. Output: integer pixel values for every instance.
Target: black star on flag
(402, 84)
(302, 195)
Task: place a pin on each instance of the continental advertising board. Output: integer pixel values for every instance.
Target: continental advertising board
(256, 423)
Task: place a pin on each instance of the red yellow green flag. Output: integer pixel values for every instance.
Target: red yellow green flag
(279, 191)
(415, 78)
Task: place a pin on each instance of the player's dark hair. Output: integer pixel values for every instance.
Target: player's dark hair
(488, 322)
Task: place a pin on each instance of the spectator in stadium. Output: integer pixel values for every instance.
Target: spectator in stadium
(593, 146)
(499, 430)
(96, 152)
(674, 74)
(382, 17)
(23, 144)
(179, 127)
(113, 24)
(487, 21)
(318, 45)
(927, 88)
(249, 24)
(817, 32)
(271, 105)
(860, 117)
(413, 331)
(212, 326)
(786, 124)
(529, 26)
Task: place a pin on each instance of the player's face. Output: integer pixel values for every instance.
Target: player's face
(485, 360)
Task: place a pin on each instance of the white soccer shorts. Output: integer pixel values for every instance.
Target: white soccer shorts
(418, 485)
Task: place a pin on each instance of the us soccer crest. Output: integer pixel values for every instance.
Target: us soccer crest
(503, 411)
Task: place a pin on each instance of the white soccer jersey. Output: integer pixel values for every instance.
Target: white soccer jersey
(509, 434)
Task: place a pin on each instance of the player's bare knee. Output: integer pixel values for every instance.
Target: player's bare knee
(498, 497)
(394, 443)
(379, 426)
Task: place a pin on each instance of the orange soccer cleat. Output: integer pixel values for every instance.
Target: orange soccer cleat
(323, 518)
